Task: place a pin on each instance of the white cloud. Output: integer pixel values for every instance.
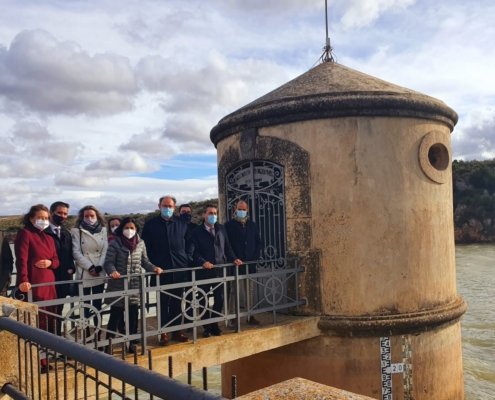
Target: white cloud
(361, 13)
(478, 138)
(149, 143)
(197, 97)
(123, 162)
(41, 74)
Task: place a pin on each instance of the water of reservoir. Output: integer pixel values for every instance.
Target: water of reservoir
(476, 283)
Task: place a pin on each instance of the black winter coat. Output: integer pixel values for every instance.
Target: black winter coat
(245, 241)
(6, 267)
(119, 258)
(63, 245)
(169, 246)
(215, 250)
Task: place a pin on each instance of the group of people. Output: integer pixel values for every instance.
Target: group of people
(99, 252)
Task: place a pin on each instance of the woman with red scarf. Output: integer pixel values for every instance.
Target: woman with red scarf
(36, 258)
(126, 255)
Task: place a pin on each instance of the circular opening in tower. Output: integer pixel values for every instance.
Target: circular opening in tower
(438, 156)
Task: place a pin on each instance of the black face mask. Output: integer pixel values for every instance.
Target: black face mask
(186, 217)
(58, 219)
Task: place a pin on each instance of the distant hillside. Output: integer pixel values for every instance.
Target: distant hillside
(13, 223)
(474, 201)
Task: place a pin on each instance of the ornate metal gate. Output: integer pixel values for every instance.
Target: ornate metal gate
(261, 185)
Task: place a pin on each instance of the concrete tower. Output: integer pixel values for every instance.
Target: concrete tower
(368, 202)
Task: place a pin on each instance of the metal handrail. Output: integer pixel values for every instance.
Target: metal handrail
(135, 375)
(270, 282)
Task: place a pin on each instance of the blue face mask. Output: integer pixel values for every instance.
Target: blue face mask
(167, 212)
(241, 213)
(212, 219)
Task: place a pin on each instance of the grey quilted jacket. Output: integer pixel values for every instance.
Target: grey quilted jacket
(120, 259)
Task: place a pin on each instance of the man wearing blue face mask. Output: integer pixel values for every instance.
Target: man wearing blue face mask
(245, 240)
(169, 246)
(211, 246)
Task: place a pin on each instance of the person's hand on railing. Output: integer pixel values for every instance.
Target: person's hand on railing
(158, 270)
(208, 265)
(25, 287)
(237, 262)
(115, 275)
(42, 264)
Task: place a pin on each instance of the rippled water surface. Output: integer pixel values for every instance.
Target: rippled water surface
(476, 283)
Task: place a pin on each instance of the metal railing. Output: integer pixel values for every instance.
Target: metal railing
(276, 284)
(92, 372)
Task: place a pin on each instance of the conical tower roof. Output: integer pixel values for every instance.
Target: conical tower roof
(331, 90)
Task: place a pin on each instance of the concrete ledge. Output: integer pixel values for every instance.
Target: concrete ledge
(302, 389)
(232, 346)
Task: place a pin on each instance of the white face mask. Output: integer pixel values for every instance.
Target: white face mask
(113, 229)
(41, 224)
(129, 233)
(90, 221)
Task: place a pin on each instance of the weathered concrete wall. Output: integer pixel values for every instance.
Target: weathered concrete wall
(384, 229)
(9, 354)
(353, 364)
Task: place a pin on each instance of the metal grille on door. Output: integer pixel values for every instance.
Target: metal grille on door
(261, 185)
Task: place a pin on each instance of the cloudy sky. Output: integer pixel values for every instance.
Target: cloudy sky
(111, 102)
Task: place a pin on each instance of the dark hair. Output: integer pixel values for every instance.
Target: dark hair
(80, 216)
(120, 230)
(205, 208)
(182, 206)
(32, 212)
(113, 219)
(58, 204)
(167, 196)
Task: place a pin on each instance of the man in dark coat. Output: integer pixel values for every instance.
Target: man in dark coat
(185, 212)
(169, 246)
(6, 266)
(211, 246)
(245, 240)
(63, 244)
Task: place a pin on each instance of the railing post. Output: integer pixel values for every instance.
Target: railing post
(143, 314)
(237, 300)
(126, 307)
(194, 309)
(273, 293)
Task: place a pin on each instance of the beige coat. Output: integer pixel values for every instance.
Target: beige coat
(89, 250)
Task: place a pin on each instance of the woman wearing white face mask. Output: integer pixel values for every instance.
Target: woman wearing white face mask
(126, 255)
(89, 247)
(113, 223)
(36, 258)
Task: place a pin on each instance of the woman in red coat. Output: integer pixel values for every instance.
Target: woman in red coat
(36, 258)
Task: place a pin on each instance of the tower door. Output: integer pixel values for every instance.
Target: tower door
(261, 185)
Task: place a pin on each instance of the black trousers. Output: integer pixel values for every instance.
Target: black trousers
(95, 303)
(117, 317)
(217, 298)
